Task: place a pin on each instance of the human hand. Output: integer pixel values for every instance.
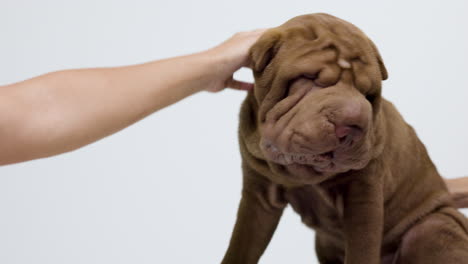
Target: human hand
(234, 54)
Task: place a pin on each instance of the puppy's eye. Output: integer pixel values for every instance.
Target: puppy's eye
(309, 76)
(371, 98)
(300, 84)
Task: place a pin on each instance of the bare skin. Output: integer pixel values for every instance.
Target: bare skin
(458, 185)
(459, 188)
(63, 111)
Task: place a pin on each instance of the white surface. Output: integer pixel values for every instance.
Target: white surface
(166, 190)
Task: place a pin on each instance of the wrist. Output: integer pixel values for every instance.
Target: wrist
(215, 66)
(219, 59)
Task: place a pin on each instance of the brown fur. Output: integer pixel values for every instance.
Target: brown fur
(391, 206)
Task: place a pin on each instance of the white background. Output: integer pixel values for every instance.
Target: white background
(166, 189)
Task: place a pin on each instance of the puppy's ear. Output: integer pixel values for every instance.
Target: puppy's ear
(263, 51)
(383, 70)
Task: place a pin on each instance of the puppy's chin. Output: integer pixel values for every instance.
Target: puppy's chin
(306, 174)
(301, 174)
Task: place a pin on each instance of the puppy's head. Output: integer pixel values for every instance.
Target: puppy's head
(318, 88)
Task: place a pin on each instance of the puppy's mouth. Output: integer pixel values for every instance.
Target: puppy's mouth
(315, 165)
(319, 163)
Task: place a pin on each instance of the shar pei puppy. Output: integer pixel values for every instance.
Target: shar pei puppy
(316, 133)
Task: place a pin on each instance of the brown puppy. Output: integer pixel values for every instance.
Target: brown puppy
(316, 134)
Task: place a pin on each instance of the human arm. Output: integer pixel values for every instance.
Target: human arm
(457, 185)
(459, 189)
(62, 111)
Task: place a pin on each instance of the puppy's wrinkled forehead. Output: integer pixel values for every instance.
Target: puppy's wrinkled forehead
(317, 46)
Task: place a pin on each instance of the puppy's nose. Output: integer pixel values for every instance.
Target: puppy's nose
(344, 132)
(351, 122)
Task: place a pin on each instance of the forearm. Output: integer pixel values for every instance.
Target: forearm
(62, 111)
(457, 185)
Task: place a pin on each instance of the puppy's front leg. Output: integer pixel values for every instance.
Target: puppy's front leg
(363, 220)
(259, 213)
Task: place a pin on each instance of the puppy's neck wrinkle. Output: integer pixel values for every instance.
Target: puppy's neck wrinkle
(249, 140)
(249, 136)
(380, 134)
